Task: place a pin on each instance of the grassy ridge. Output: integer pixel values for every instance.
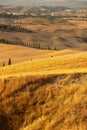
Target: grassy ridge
(20, 54)
(57, 64)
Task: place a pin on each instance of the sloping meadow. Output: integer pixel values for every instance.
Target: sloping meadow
(45, 102)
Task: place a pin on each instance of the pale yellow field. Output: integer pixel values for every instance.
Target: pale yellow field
(64, 63)
(20, 54)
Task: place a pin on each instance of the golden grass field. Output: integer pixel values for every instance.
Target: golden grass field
(44, 89)
(44, 102)
(52, 62)
(21, 54)
(47, 93)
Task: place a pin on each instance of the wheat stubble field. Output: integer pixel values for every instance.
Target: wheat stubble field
(45, 89)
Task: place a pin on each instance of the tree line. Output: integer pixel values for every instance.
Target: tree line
(27, 44)
(10, 28)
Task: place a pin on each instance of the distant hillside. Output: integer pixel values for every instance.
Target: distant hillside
(45, 9)
(37, 9)
(59, 35)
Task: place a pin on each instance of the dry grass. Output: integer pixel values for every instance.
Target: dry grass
(20, 54)
(68, 63)
(50, 91)
(45, 102)
(45, 94)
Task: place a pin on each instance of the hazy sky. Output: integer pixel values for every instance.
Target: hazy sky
(71, 3)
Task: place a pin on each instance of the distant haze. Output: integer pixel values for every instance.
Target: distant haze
(67, 3)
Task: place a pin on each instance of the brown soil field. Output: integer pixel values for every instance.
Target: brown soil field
(61, 34)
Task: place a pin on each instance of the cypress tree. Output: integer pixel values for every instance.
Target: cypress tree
(9, 62)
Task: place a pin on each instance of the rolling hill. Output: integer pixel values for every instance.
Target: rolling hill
(58, 33)
(45, 88)
(74, 62)
(21, 54)
(45, 94)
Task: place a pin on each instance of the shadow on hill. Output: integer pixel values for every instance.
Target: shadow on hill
(29, 98)
(36, 82)
(4, 125)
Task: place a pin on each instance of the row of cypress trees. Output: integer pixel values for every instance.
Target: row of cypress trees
(27, 44)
